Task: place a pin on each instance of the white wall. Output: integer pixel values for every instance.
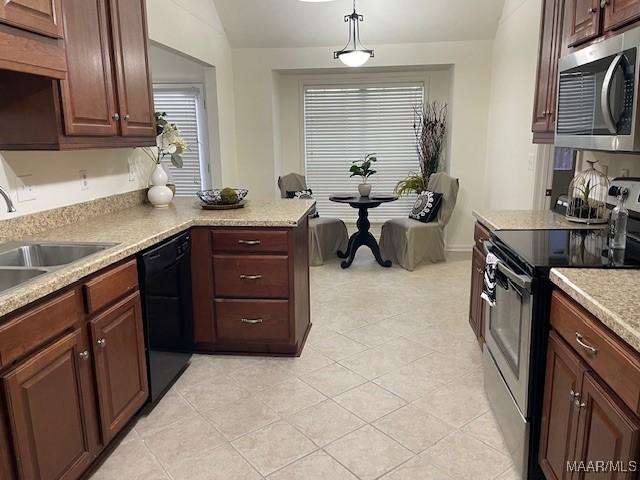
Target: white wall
(195, 30)
(258, 98)
(511, 155)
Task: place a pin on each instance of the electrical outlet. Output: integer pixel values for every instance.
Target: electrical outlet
(26, 189)
(84, 180)
(132, 175)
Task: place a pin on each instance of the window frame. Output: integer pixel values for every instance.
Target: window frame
(381, 79)
(206, 174)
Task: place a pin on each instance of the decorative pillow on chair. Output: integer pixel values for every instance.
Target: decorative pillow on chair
(302, 194)
(427, 206)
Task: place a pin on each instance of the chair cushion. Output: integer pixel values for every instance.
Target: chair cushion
(427, 206)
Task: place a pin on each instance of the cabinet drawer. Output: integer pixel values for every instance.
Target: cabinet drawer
(252, 320)
(605, 353)
(110, 286)
(250, 241)
(251, 276)
(29, 330)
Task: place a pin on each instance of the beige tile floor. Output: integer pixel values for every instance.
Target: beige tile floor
(389, 386)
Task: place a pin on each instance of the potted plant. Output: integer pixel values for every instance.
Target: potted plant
(363, 169)
(169, 144)
(430, 127)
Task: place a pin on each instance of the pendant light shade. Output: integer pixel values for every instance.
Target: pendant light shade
(354, 54)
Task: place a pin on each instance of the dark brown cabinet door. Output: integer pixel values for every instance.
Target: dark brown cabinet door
(40, 16)
(88, 95)
(582, 21)
(546, 61)
(51, 411)
(560, 415)
(607, 432)
(476, 308)
(120, 364)
(618, 13)
(135, 97)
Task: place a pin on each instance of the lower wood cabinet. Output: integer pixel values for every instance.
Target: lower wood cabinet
(77, 379)
(585, 422)
(52, 414)
(477, 305)
(251, 289)
(120, 364)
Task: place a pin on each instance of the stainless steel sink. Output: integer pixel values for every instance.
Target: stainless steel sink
(48, 254)
(21, 262)
(12, 277)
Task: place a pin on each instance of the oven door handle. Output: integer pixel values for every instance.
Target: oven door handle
(520, 281)
(606, 94)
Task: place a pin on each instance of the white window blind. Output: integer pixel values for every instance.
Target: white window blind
(184, 107)
(344, 123)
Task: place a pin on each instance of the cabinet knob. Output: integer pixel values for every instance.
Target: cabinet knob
(573, 395)
(127, 117)
(116, 116)
(102, 342)
(580, 405)
(592, 10)
(604, 3)
(84, 355)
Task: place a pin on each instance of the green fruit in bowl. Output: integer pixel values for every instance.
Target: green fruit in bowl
(229, 196)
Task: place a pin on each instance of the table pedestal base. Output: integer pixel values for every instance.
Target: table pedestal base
(362, 238)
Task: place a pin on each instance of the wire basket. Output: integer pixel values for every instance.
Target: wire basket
(588, 196)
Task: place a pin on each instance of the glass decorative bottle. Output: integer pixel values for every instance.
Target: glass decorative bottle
(618, 223)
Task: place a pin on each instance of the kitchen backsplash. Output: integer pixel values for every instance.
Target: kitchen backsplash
(32, 224)
(617, 164)
(42, 181)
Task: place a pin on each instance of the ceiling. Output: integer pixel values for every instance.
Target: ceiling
(293, 23)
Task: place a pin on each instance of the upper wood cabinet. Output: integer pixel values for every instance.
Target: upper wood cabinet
(106, 99)
(120, 364)
(88, 92)
(135, 97)
(581, 21)
(52, 411)
(39, 16)
(618, 13)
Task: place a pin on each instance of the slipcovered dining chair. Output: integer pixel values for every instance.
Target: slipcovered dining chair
(326, 235)
(410, 242)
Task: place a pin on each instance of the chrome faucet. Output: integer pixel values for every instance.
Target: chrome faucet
(7, 198)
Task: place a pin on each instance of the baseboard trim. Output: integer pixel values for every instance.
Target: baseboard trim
(458, 248)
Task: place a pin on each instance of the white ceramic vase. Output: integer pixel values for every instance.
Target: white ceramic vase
(159, 195)
(364, 189)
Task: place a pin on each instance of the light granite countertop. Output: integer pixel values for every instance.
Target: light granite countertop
(138, 228)
(613, 296)
(526, 220)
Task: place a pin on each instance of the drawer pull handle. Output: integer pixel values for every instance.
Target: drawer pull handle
(250, 277)
(252, 321)
(249, 242)
(586, 346)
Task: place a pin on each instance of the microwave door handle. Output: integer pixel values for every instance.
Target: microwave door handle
(606, 93)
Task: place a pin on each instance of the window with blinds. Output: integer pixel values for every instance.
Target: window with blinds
(344, 123)
(184, 106)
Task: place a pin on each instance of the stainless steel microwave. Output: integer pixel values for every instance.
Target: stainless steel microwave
(597, 106)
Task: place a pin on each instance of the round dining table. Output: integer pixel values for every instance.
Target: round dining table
(363, 236)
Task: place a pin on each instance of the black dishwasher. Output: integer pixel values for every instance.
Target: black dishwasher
(165, 283)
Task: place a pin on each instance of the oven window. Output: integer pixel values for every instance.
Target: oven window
(506, 323)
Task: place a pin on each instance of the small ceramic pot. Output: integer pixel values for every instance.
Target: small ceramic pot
(364, 189)
(159, 195)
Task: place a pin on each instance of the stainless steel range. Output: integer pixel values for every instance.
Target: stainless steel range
(517, 326)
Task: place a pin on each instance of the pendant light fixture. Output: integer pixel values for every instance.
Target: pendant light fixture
(354, 54)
